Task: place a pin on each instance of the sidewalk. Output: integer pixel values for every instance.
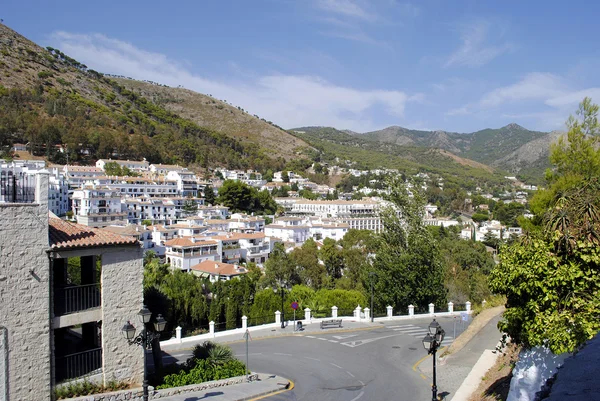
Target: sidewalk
(266, 384)
(463, 370)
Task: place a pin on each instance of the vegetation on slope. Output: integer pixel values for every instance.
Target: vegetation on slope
(50, 99)
(206, 111)
(332, 144)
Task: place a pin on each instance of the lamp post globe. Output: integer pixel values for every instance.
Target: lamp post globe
(128, 331)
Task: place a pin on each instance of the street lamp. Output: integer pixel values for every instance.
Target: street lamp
(282, 312)
(145, 338)
(432, 342)
(371, 274)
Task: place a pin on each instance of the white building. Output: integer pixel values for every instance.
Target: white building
(97, 206)
(183, 253)
(187, 183)
(133, 165)
(289, 229)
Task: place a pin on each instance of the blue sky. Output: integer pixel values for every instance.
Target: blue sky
(352, 64)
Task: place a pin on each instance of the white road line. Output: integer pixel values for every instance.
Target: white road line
(411, 330)
(312, 359)
(358, 396)
(361, 382)
(280, 353)
(320, 338)
(333, 341)
(350, 374)
(337, 366)
(311, 336)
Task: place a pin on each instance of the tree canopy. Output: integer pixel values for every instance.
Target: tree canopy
(551, 276)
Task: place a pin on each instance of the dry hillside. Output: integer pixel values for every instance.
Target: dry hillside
(209, 112)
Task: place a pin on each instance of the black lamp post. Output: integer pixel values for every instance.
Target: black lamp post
(432, 342)
(145, 338)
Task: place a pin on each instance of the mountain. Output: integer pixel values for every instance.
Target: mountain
(50, 99)
(512, 148)
(207, 111)
(337, 146)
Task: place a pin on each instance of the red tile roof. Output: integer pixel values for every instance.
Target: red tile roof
(66, 235)
(218, 268)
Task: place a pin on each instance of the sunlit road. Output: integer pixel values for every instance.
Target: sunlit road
(373, 364)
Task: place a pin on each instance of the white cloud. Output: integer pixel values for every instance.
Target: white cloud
(474, 52)
(288, 100)
(534, 86)
(573, 98)
(347, 8)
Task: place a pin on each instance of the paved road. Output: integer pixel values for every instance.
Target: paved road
(372, 364)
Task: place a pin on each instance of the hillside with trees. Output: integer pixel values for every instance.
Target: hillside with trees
(62, 108)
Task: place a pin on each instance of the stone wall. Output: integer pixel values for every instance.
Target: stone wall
(136, 394)
(24, 295)
(122, 298)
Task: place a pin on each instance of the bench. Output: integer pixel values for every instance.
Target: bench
(331, 323)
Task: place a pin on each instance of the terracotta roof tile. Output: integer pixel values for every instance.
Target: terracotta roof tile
(219, 268)
(66, 235)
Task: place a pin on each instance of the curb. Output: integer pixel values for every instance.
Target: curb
(288, 387)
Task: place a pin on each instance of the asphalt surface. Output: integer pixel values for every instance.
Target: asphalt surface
(350, 365)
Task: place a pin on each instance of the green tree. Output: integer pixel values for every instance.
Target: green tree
(311, 272)
(408, 263)
(209, 195)
(285, 176)
(280, 269)
(190, 207)
(551, 276)
(237, 196)
(332, 257)
(113, 168)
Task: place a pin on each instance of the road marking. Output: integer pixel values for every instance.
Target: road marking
(337, 366)
(358, 396)
(412, 330)
(361, 382)
(353, 344)
(423, 376)
(333, 341)
(321, 338)
(255, 353)
(281, 353)
(344, 336)
(350, 374)
(311, 336)
(312, 359)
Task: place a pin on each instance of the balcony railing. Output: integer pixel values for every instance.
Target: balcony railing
(17, 187)
(77, 365)
(76, 298)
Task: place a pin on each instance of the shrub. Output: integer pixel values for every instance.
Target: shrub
(204, 371)
(85, 387)
(45, 74)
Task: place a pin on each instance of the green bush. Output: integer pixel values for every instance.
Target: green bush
(204, 371)
(45, 74)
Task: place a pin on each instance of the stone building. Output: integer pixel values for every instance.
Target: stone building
(66, 291)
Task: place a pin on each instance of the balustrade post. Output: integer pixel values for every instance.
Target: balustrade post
(390, 311)
(411, 310)
(334, 311)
